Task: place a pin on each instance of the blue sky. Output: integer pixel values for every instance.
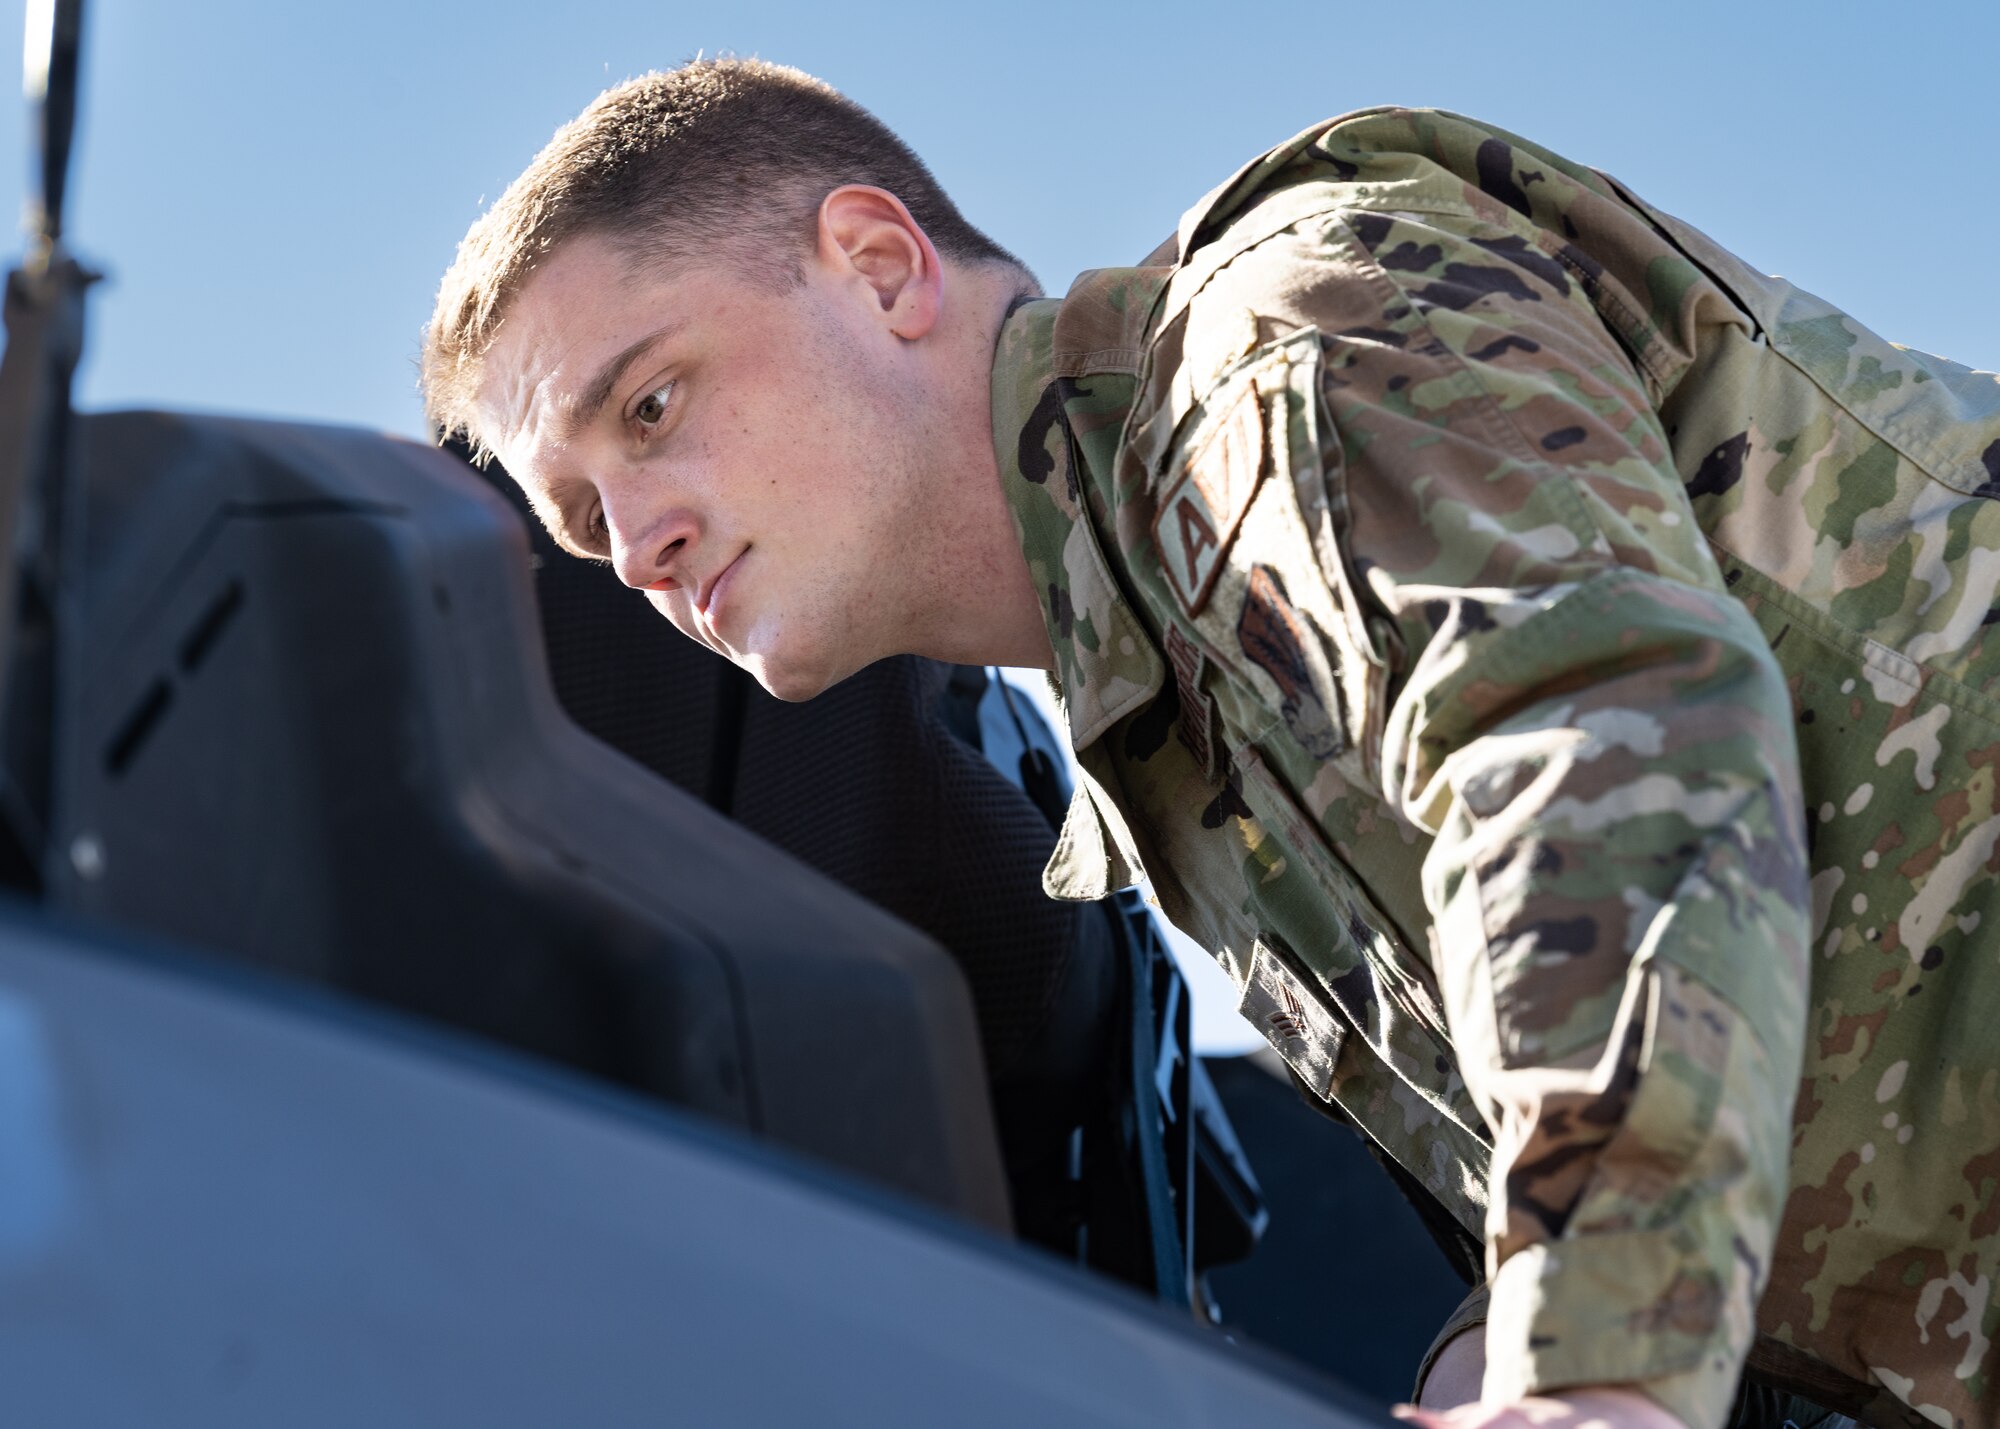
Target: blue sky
(275, 188)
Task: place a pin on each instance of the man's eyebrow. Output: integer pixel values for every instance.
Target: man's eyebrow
(586, 407)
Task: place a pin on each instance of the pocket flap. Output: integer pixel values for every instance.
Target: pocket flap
(1304, 1030)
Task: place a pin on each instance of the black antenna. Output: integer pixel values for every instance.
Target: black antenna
(44, 320)
(55, 28)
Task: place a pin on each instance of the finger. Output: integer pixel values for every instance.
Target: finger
(1423, 1418)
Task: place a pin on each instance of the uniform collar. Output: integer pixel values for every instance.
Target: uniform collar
(1064, 378)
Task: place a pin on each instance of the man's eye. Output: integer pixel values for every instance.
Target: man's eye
(595, 530)
(653, 405)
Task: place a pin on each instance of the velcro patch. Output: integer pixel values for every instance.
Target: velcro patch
(1197, 717)
(1199, 515)
(1304, 1030)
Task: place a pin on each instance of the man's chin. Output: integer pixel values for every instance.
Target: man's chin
(792, 680)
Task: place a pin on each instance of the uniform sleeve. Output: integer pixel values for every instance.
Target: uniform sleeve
(1559, 690)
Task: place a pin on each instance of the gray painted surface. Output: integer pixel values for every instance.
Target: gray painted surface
(219, 1211)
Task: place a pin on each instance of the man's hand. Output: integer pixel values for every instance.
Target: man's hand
(1597, 1407)
(1452, 1399)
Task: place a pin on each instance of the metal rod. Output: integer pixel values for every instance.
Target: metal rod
(44, 320)
(50, 82)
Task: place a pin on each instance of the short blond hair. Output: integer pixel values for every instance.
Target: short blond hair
(722, 160)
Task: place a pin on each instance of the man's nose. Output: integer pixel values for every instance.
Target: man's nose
(650, 550)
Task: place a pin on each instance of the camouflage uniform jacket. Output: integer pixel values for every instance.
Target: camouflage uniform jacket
(1548, 663)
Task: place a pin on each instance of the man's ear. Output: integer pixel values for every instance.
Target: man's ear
(866, 233)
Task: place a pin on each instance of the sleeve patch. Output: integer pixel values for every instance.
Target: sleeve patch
(1200, 513)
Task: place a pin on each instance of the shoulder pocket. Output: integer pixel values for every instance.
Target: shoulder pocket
(1247, 528)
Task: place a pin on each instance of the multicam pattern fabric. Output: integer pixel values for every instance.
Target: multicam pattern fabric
(1496, 616)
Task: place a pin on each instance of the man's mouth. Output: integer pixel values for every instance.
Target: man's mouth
(704, 598)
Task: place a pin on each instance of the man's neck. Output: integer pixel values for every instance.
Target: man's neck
(985, 611)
